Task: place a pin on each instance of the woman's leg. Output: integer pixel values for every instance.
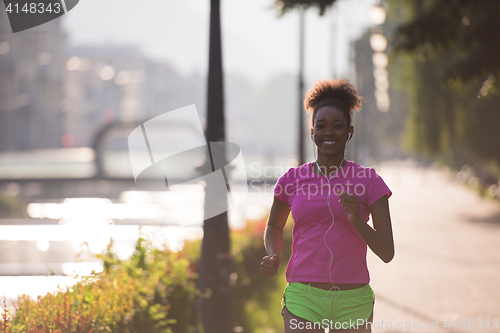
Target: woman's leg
(296, 324)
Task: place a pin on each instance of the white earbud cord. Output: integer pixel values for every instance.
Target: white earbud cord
(334, 287)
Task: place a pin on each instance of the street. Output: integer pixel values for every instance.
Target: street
(446, 270)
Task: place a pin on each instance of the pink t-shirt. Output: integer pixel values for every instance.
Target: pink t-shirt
(306, 193)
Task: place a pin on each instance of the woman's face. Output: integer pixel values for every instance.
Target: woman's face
(330, 130)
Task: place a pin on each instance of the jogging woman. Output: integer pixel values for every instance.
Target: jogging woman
(331, 200)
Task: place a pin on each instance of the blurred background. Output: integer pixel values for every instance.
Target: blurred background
(73, 89)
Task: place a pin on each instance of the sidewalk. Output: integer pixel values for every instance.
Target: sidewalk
(447, 262)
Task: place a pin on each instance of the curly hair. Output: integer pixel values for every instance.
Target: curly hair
(339, 93)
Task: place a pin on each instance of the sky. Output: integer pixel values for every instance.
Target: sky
(256, 43)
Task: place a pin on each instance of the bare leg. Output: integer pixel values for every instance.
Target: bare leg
(292, 324)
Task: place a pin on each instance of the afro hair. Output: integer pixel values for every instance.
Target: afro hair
(337, 93)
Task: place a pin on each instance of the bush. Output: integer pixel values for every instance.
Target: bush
(138, 295)
(155, 291)
(257, 297)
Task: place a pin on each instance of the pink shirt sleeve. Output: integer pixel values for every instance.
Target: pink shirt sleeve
(280, 190)
(377, 188)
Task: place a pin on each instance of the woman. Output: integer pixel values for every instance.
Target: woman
(331, 199)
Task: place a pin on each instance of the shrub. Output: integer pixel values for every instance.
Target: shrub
(155, 291)
(131, 296)
(257, 297)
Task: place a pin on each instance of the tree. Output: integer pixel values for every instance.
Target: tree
(467, 28)
(286, 5)
(454, 88)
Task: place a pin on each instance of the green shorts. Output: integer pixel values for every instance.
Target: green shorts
(351, 306)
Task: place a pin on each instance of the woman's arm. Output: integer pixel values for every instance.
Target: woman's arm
(273, 237)
(379, 238)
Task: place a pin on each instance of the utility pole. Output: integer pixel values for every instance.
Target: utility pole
(334, 53)
(301, 86)
(215, 266)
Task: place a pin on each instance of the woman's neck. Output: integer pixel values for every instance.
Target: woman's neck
(329, 165)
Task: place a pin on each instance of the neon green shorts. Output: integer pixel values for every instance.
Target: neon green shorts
(351, 306)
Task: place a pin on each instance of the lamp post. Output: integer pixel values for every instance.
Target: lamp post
(301, 86)
(378, 43)
(215, 263)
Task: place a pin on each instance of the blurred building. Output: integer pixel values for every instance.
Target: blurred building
(365, 122)
(31, 81)
(118, 84)
(380, 130)
(53, 96)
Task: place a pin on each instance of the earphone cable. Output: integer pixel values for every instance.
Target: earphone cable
(334, 287)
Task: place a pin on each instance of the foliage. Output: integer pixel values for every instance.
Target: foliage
(468, 28)
(258, 297)
(447, 50)
(155, 291)
(285, 6)
(5, 315)
(144, 294)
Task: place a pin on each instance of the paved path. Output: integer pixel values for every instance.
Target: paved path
(447, 262)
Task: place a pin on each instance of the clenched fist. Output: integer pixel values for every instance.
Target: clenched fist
(270, 265)
(350, 203)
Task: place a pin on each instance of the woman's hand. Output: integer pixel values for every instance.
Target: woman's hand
(350, 203)
(270, 265)
(379, 238)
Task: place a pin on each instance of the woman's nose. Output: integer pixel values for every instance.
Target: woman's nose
(328, 130)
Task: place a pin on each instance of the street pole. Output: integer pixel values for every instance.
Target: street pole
(301, 87)
(215, 264)
(333, 42)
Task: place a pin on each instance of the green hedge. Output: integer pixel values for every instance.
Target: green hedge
(128, 296)
(155, 292)
(257, 297)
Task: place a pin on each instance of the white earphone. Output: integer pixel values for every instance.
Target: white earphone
(335, 289)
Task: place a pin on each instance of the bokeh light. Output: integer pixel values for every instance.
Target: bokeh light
(68, 140)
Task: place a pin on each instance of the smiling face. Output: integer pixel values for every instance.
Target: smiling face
(330, 130)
